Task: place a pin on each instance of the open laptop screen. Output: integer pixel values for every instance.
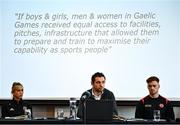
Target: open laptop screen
(98, 110)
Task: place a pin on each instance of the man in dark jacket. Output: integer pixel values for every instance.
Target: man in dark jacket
(98, 92)
(154, 101)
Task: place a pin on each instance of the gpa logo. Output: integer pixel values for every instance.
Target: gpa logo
(161, 106)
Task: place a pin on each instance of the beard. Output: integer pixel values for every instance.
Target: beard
(99, 89)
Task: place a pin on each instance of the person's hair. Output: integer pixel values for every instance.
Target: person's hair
(14, 86)
(152, 78)
(97, 74)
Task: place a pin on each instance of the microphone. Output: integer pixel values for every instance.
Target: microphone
(85, 95)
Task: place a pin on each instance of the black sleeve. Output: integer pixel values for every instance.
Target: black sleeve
(170, 112)
(115, 111)
(139, 110)
(4, 111)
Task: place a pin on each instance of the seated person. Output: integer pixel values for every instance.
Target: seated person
(154, 101)
(16, 106)
(98, 92)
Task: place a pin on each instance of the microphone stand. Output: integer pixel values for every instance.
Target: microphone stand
(84, 110)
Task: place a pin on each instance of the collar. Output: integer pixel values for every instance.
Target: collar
(20, 101)
(154, 97)
(97, 97)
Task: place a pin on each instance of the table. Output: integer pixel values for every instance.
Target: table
(79, 121)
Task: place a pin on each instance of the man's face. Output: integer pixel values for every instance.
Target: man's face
(18, 92)
(153, 87)
(99, 84)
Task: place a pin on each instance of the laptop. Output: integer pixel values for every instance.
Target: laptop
(98, 110)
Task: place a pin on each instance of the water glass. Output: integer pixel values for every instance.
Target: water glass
(27, 113)
(156, 115)
(72, 103)
(60, 113)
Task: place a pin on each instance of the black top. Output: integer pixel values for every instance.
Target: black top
(106, 95)
(147, 105)
(12, 108)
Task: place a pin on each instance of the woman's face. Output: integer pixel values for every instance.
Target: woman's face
(18, 92)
